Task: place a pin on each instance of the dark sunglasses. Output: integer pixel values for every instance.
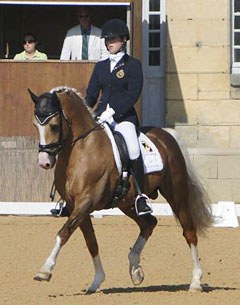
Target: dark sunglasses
(29, 41)
(83, 16)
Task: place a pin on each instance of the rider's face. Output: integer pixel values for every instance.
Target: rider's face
(114, 44)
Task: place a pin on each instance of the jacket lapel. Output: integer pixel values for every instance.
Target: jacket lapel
(121, 62)
(78, 44)
(93, 38)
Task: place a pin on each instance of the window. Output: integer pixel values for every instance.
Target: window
(153, 35)
(49, 21)
(154, 61)
(235, 36)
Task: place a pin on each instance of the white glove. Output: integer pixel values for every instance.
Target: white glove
(106, 115)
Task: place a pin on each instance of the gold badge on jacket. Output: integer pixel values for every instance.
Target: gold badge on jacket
(120, 73)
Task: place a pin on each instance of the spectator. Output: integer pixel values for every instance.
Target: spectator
(83, 41)
(30, 52)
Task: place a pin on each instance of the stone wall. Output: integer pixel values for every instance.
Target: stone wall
(201, 103)
(20, 176)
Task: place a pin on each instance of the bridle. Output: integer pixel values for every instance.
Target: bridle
(52, 148)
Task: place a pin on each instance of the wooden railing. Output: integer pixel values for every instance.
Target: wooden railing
(16, 108)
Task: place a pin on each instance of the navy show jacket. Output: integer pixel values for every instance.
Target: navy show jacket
(120, 88)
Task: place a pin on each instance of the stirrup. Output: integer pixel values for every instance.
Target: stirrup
(59, 209)
(141, 206)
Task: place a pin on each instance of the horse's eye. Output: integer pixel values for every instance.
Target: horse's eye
(54, 128)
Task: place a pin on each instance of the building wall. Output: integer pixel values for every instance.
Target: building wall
(201, 104)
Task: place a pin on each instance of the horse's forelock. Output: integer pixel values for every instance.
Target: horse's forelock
(47, 105)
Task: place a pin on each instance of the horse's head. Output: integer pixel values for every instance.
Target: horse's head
(52, 126)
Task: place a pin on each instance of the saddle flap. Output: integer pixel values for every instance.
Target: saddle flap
(151, 156)
(122, 148)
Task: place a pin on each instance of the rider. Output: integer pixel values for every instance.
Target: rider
(119, 80)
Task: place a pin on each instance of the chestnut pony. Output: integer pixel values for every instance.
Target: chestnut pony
(86, 176)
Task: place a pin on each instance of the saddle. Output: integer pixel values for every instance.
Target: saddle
(152, 161)
(122, 149)
(122, 185)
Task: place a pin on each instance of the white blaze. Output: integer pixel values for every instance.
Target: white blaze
(41, 130)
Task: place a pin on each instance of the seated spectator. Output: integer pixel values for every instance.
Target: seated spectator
(30, 52)
(83, 41)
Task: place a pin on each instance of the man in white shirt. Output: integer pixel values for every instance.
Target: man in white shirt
(83, 41)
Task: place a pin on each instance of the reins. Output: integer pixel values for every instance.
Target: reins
(96, 127)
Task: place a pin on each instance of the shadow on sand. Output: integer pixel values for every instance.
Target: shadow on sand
(161, 288)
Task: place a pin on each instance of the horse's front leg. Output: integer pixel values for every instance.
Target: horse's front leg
(45, 273)
(91, 242)
(74, 221)
(146, 224)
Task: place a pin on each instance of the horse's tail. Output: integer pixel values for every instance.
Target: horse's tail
(198, 198)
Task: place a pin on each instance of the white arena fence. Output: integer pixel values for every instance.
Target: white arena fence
(225, 213)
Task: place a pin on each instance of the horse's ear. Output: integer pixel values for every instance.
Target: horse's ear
(56, 101)
(34, 97)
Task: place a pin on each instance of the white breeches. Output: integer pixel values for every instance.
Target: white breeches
(128, 130)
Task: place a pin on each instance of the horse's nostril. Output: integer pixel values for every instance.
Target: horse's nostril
(45, 160)
(45, 165)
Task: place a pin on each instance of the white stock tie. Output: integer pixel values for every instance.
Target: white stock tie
(114, 59)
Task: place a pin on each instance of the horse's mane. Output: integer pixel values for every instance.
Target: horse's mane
(69, 90)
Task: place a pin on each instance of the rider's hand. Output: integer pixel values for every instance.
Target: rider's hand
(106, 115)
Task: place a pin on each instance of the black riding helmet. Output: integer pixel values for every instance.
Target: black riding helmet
(115, 28)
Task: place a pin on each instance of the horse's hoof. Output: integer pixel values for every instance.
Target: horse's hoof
(91, 291)
(43, 276)
(195, 288)
(96, 284)
(137, 276)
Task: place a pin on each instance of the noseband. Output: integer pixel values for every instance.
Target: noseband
(52, 148)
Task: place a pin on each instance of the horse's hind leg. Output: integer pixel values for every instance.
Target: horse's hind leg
(175, 190)
(190, 234)
(197, 271)
(146, 224)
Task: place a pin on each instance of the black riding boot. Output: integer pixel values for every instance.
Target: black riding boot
(141, 205)
(60, 210)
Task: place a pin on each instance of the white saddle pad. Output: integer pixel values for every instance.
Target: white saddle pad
(151, 158)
